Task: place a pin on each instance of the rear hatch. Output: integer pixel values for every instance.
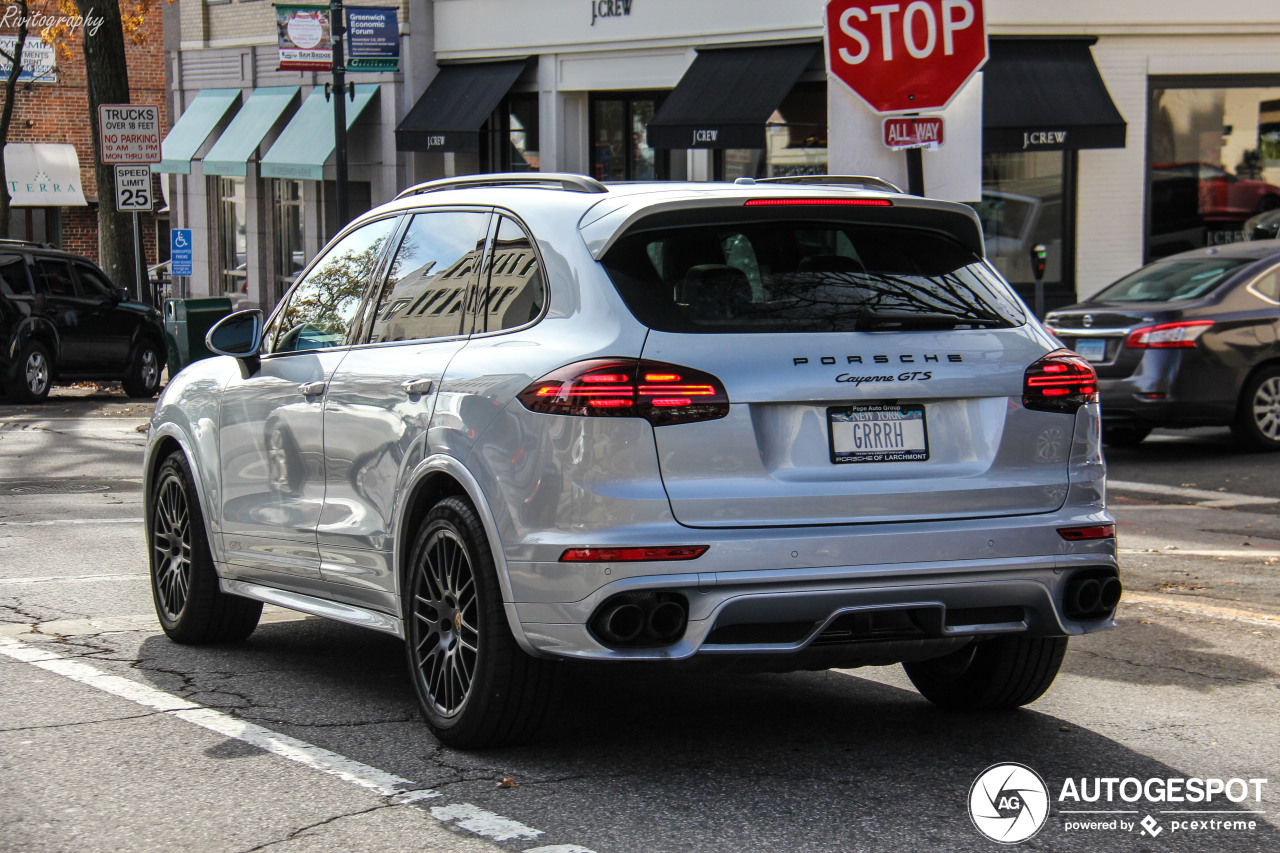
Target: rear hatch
(875, 372)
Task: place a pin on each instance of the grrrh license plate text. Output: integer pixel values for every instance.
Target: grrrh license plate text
(878, 432)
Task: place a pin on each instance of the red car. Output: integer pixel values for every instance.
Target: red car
(1222, 195)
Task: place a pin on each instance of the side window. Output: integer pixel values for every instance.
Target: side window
(515, 293)
(426, 288)
(53, 277)
(92, 282)
(321, 308)
(1268, 286)
(13, 275)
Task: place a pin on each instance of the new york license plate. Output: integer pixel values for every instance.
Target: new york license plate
(878, 432)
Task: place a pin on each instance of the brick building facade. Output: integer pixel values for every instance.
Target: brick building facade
(58, 112)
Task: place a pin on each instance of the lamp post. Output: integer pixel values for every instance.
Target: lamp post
(337, 26)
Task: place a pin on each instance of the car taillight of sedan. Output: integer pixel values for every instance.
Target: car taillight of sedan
(1181, 335)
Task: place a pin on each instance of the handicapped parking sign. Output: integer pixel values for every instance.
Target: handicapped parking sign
(180, 251)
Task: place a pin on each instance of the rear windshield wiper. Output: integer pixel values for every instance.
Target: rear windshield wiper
(875, 321)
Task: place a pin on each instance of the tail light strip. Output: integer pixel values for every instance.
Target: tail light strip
(663, 394)
(1060, 382)
(1181, 335)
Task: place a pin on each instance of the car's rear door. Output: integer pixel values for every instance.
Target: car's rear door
(381, 400)
(113, 328)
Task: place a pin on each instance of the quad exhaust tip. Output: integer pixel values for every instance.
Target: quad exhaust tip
(641, 619)
(1092, 595)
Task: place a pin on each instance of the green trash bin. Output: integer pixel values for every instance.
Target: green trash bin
(186, 322)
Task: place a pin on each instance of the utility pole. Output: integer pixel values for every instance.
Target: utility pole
(337, 26)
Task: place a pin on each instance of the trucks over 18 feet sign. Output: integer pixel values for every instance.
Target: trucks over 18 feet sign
(905, 57)
(129, 133)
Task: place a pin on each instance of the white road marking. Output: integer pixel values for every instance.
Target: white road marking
(69, 579)
(481, 822)
(1261, 552)
(62, 521)
(1203, 497)
(380, 782)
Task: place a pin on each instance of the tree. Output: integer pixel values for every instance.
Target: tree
(6, 112)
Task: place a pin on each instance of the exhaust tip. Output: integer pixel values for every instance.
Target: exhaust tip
(1092, 594)
(641, 619)
(1110, 595)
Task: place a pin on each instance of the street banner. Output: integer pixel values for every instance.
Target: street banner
(304, 37)
(373, 38)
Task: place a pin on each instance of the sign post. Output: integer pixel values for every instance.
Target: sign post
(130, 137)
(906, 60)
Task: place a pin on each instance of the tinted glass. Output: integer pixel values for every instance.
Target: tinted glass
(13, 275)
(514, 295)
(92, 282)
(1166, 281)
(1268, 285)
(425, 292)
(320, 310)
(805, 277)
(54, 277)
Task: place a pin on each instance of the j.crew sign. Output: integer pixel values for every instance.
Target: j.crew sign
(609, 9)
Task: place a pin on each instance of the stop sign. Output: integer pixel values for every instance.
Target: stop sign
(905, 57)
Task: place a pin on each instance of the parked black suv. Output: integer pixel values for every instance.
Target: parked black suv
(62, 319)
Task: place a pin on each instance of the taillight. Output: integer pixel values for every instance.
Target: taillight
(1060, 382)
(662, 394)
(1168, 335)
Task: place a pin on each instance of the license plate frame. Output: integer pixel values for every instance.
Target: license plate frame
(860, 433)
(1091, 349)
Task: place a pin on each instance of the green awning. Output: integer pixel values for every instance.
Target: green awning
(193, 128)
(239, 142)
(307, 143)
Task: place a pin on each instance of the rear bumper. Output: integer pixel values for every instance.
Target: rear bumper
(949, 600)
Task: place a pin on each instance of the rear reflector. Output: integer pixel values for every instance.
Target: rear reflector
(851, 202)
(1097, 531)
(1060, 382)
(632, 555)
(662, 394)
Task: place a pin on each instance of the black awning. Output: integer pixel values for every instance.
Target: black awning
(451, 111)
(1046, 95)
(727, 95)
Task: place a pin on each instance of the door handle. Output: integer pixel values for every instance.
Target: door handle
(311, 389)
(417, 386)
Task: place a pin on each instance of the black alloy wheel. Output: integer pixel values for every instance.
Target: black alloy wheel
(143, 379)
(476, 687)
(184, 584)
(33, 374)
(1257, 421)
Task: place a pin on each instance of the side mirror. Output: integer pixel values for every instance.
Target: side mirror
(238, 335)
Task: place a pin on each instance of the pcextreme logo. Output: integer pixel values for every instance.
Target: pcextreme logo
(1009, 803)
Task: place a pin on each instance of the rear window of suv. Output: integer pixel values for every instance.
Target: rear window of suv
(797, 276)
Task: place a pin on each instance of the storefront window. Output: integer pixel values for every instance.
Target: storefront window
(795, 140)
(232, 243)
(1213, 156)
(620, 150)
(1023, 198)
(291, 255)
(37, 224)
(509, 139)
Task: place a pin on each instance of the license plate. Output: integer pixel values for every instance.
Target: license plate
(1091, 350)
(878, 432)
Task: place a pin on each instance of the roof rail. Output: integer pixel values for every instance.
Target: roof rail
(865, 181)
(32, 243)
(546, 180)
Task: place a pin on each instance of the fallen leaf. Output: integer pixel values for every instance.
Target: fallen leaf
(1064, 728)
(507, 782)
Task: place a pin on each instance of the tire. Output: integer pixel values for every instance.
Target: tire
(1004, 672)
(184, 586)
(1124, 436)
(143, 378)
(33, 374)
(1257, 422)
(475, 686)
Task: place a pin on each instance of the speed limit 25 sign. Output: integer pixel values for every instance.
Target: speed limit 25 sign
(133, 188)
(906, 56)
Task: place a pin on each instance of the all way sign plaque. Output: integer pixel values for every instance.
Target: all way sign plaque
(913, 132)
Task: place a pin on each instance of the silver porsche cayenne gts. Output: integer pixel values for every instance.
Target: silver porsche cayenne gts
(521, 419)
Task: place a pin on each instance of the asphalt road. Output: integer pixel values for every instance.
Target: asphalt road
(307, 736)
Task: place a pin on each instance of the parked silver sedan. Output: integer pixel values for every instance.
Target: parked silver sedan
(522, 419)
